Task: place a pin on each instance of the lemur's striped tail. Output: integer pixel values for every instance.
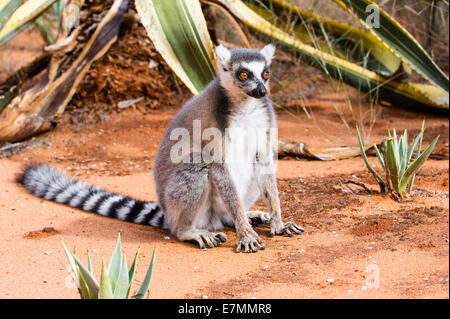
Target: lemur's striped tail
(51, 184)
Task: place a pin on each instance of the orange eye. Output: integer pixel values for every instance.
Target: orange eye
(266, 75)
(243, 75)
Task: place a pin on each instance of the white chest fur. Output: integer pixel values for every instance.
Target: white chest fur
(246, 136)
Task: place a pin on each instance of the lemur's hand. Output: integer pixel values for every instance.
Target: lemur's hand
(278, 228)
(250, 241)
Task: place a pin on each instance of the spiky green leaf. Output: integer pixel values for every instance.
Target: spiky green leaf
(419, 147)
(403, 152)
(380, 157)
(72, 264)
(90, 280)
(132, 271)
(147, 279)
(392, 163)
(105, 284)
(84, 291)
(416, 165)
(377, 176)
(115, 263)
(89, 263)
(123, 282)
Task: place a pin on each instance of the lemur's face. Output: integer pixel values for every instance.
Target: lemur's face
(245, 71)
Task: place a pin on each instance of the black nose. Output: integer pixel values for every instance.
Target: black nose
(260, 91)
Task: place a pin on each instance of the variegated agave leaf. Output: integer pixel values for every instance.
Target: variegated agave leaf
(23, 16)
(178, 30)
(413, 95)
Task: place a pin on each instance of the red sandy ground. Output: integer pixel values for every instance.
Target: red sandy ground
(346, 233)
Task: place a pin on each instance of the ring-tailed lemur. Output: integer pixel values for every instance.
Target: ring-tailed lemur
(197, 197)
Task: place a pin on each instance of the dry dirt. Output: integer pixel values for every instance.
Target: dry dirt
(351, 236)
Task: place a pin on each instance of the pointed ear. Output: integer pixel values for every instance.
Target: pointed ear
(223, 55)
(268, 52)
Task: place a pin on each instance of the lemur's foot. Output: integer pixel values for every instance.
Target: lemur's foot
(204, 238)
(210, 239)
(258, 217)
(288, 229)
(250, 242)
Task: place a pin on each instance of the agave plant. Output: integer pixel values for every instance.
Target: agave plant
(178, 30)
(115, 280)
(398, 161)
(16, 15)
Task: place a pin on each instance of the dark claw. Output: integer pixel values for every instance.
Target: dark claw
(249, 246)
(288, 229)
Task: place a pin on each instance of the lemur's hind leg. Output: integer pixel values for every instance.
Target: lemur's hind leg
(226, 189)
(188, 205)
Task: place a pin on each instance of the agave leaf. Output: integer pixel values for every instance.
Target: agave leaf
(377, 176)
(115, 263)
(416, 96)
(416, 165)
(399, 40)
(7, 7)
(178, 30)
(45, 31)
(89, 263)
(88, 278)
(132, 271)
(413, 146)
(403, 153)
(394, 136)
(22, 17)
(147, 279)
(387, 172)
(123, 282)
(57, 8)
(380, 157)
(419, 147)
(72, 264)
(381, 58)
(299, 30)
(396, 147)
(105, 284)
(400, 146)
(84, 288)
(392, 163)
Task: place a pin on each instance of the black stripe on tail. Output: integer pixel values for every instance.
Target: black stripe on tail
(49, 183)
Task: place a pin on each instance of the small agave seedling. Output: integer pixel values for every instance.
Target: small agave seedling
(396, 159)
(115, 281)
